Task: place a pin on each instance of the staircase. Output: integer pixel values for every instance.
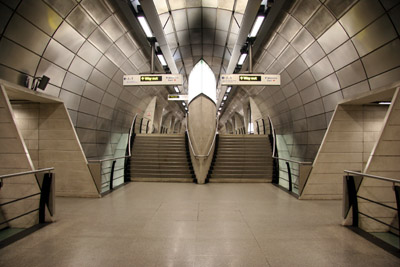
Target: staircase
(160, 158)
(242, 158)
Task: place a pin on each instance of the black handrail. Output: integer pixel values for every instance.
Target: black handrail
(352, 197)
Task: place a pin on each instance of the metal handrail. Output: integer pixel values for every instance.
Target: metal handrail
(25, 173)
(107, 159)
(212, 144)
(294, 161)
(273, 136)
(373, 176)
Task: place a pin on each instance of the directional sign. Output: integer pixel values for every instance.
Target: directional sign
(176, 97)
(152, 79)
(250, 79)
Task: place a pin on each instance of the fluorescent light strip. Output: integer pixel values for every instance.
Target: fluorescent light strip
(177, 89)
(242, 59)
(225, 97)
(162, 60)
(256, 26)
(145, 26)
(384, 103)
(183, 103)
(229, 89)
(220, 109)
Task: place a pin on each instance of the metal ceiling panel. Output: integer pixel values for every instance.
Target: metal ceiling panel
(394, 16)
(378, 33)
(304, 80)
(241, 6)
(218, 52)
(197, 50)
(383, 79)
(220, 37)
(287, 56)
(113, 28)
(17, 57)
(115, 55)
(223, 19)
(114, 89)
(328, 85)
(109, 100)
(99, 79)
(22, 32)
(302, 40)
(58, 54)
(183, 38)
(69, 37)
(209, 3)
(209, 18)
(63, 7)
(81, 21)
(313, 54)
(5, 15)
(55, 73)
(289, 28)
(359, 16)
(331, 101)
(161, 6)
(186, 51)
(208, 50)
(383, 59)
(338, 8)
(320, 22)
(99, 39)
(48, 22)
(180, 19)
(322, 69)
(356, 89)
(171, 40)
(74, 83)
(96, 9)
(193, 3)
(310, 94)
(194, 18)
(333, 37)
(304, 9)
(70, 100)
(277, 45)
(137, 59)
(351, 74)
(344, 55)
(80, 68)
(296, 67)
(177, 4)
(226, 4)
(314, 108)
(89, 53)
(107, 67)
(127, 45)
(290, 90)
(208, 36)
(89, 106)
(195, 36)
(168, 27)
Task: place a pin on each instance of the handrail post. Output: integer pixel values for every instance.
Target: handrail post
(147, 126)
(112, 174)
(264, 126)
(258, 129)
(397, 194)
(289, 176)
(45, 196)
(351, 188)
(140, 128)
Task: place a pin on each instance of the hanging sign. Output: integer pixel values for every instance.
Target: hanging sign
(250, 79)
(176, 97)
(152, 79)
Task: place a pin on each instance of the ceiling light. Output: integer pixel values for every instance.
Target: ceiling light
(384, 103)
(177, 89)
(222, 103)
(225, 97)
(162, 59)
(183, 103)
(186, 108)
(220, 109)
(145, 26)
(256, 26)
(229, 89)
(242, 59)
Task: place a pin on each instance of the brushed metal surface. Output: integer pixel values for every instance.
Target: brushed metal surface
(55, 73)
(74, 83)
(313, 54)
(294, 101)
(113, 28)
(89, 53)
(58, 54)
(320, 22)
(302, 40)
(81, 21)
(289, 28)
(330, 101)
(321, 69)
(109, 100)
(310, 94)
(343, 55)
(89, 106)
(99, 79)
(351, 74)
(5, 15)
(26, 34)
(71, 100)
(328, 85)
(304, 80)
(63, 7)
(339, 7)
(304, 9)
(333, 37)
(360, 15)
(80, 67)
(297, 67)
(97, 9)
(69, 37)
(86, 121)
(116, 55)
(356, 89)
(107, 67)
(287, 56)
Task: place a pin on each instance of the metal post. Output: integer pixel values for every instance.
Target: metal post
(351, 188)
(264, 126)
(112, 175)
(140, 128)
(153, 52)
(147, 126)
(45, 196)
(258, 129)
(289, 176)
(250, 57)
(397, 193)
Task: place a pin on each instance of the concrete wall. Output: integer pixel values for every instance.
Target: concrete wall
(14, 157)
(383, 161)
(348, 142)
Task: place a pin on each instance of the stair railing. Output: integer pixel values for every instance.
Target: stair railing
(212, 144)
(45, 189)
(386, 209)
(108, 169)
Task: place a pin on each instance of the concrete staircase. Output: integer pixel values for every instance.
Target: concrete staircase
(160, 158)
(242, 158)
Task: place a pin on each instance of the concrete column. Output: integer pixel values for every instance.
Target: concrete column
(202, 125)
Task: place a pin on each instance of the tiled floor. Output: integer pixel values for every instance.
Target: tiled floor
(169, 224)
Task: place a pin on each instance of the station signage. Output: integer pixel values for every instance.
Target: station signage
(176, 97)
(152, 79)
(250, 79)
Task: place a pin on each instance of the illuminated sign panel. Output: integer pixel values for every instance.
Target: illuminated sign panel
(150, 79)
(250, 79)
(176, 97)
